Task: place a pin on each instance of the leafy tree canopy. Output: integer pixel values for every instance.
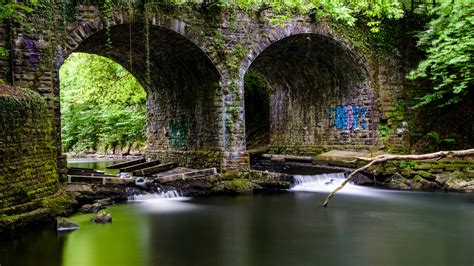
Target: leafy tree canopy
(449, 45)
(102, 105)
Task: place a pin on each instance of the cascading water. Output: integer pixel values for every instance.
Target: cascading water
(171, 194)
(162, 202)
(318, 183)
(329, 182)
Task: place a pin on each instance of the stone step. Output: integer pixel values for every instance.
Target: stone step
(140, 166)
(187, 175)
(127, 164)
(98, 179)
(155, 169)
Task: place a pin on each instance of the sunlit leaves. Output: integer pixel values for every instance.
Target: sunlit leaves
(449, 45)
(102, 105)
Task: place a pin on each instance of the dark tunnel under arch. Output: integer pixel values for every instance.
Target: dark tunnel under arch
(318, 91)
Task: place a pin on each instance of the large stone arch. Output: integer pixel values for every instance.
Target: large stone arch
(180, 77)
(321, 95)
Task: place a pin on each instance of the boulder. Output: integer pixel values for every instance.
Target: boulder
(105, 202)
(90, 208)
(399, 183)
(235, 186)
(102, 217)
(458, 181)
(64, 224)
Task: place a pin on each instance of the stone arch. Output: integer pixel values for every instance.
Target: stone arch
(267, 37)
(320, 89)
(182, 81)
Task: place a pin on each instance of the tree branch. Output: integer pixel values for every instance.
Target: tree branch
(386, 157)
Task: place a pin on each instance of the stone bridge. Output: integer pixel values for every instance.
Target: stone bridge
(328, 91)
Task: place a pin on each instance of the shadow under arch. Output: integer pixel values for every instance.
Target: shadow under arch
(181, 81)
(320, 94)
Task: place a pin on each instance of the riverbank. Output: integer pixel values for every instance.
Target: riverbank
(452, 173)
(448, 174)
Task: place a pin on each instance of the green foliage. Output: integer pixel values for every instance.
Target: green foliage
(407, 164)
(439, 141)
(449, 44)
(342, 11)
(384, 130)
(102, 105)
(14, 11)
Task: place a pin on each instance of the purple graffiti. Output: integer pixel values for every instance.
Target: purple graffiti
(33, 52)
(350, 116)
(347, 116)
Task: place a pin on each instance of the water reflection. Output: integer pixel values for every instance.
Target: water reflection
(284, 229)
(122, 242)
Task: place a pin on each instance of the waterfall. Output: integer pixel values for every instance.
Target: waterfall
(321, 183)
(171, 194)
(327, 183)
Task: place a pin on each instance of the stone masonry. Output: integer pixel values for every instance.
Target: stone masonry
(325, 93)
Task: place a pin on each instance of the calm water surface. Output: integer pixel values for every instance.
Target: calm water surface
(363, 227)
(98, 164)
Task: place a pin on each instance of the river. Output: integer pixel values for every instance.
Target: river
(362, 226)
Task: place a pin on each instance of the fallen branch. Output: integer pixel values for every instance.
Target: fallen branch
(386, 157)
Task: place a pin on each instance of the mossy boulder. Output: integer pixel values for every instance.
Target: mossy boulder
(273, 185)
(102, 217)
(398, 181)
(426, 175)
(459, 181)
(91, 208)
(235, 186)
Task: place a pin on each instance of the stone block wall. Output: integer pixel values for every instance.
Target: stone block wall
(28, 170)
(192, 66)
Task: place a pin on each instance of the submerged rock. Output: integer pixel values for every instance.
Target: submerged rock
(102, 217)
(64, 224)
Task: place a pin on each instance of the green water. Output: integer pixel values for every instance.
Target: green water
(371, 228)
(97, 164)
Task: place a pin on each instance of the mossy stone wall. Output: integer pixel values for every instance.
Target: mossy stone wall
(28, 168)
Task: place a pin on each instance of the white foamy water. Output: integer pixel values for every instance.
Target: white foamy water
(162, 202)
(172, 194)
(329, 182)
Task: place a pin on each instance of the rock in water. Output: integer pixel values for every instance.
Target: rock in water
(88, 208)
(102, 217)
(64, 224)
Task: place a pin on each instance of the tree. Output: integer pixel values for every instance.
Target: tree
(102, 105)
(449, 45)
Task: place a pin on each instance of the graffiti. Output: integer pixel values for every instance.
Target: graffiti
(178, 135)
(33, 52)
(348, 116)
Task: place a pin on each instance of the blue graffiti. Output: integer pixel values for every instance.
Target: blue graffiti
(348, 116)
(355, 113)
